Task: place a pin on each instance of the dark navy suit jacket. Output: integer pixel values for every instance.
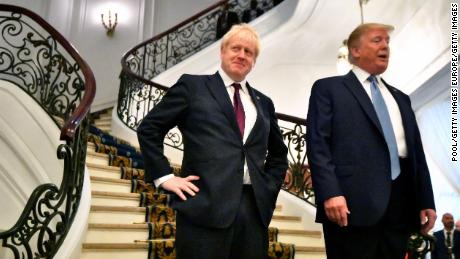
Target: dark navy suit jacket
(348, 154)
(213, 149)
(440, 249)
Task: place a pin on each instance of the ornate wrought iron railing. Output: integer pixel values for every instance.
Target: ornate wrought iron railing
(39, 60)
(298, 178)
(419, 246)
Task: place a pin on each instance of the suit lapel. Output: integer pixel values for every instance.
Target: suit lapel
(217, 88)
(404, 110)
(355, 87)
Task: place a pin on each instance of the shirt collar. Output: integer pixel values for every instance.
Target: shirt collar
(451, 231)
(228, 81)
(363, 75)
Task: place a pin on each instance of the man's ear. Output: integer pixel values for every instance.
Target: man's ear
(355, 52)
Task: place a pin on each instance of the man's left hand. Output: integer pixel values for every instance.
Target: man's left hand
(427, 217)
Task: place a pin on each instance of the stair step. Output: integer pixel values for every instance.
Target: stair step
(116, 214)
(310, 252)
(115, 198)
(286, 222)
(95, 253)
(114, 250)
(105, 184)
(103, 118)
(309, 233)
(116, 233)
(300, 237)
(107, 171)
(90, 146)
(117, 208)
(103, 123)
(97, 158)
(129, 232)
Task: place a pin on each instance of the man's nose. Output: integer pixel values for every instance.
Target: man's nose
(385, 44)
(241, 54)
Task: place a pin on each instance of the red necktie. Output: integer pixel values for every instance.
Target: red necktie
(238, 108)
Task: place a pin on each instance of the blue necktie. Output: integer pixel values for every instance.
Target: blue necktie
(385, 122)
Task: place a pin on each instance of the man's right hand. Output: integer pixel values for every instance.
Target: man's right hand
(337, 210)
(178, 185)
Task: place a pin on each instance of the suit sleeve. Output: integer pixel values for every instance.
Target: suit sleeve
(276, 162)
(424, 187)
(156, 124)
(319, 132)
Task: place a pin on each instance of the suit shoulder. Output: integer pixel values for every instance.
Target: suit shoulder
(327, 82)
(190, 77)
(192, 81)
(261, 96)
(395, 90)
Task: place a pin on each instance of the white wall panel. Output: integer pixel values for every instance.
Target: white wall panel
(28, 144)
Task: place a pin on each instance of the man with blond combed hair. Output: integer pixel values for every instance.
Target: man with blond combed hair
(234, 156)
(371, 180)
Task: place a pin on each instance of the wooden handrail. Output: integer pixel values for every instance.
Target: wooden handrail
(292, 119)
(69, 128)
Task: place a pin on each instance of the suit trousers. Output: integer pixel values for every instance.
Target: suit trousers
(385, 240)
(246, 238)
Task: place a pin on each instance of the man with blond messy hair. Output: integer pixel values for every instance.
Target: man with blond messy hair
(371, 181)
(234, 156)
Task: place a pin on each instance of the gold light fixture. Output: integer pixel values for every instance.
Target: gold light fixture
(109, 26)
(343, 65)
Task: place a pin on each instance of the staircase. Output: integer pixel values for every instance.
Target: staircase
(117, 223)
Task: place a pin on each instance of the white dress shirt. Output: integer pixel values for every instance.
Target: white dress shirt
(392, 106)
(250, 114)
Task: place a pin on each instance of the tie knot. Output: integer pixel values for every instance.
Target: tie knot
(237, 86)
(448, 233)
(372, 79)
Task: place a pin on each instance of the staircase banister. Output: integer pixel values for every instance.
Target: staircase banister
(68, 130)
(290, 118)
(82, 110)
(126, 69)
(50, 210)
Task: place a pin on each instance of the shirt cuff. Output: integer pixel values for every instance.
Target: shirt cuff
(158, 182)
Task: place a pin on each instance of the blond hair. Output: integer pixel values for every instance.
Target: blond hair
(355, 35)
(246, 32)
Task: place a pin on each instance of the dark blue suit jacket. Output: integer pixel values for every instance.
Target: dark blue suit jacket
(440, 249)
(213, 149)
(348, 154)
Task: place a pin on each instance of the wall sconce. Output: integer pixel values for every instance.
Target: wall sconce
(109, 26)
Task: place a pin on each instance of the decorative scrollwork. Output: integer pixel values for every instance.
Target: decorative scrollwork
(50, 210)
(33, 59)
(298, 177)
(39, 60)
(419, 245)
